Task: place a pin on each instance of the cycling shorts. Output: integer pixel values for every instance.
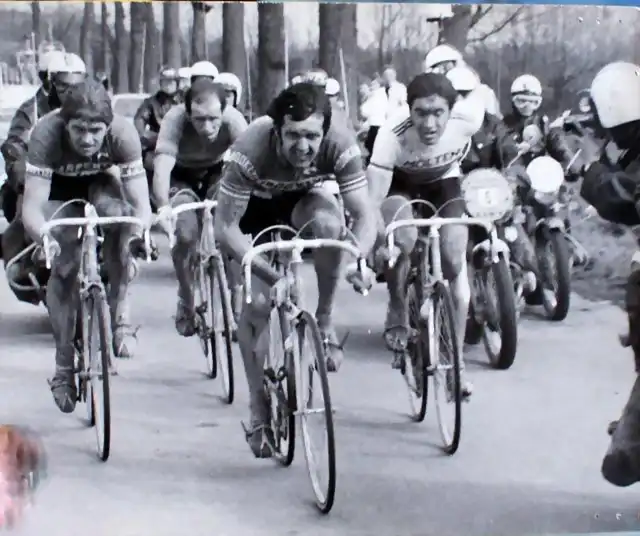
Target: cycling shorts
(445, 195)
(202, 181)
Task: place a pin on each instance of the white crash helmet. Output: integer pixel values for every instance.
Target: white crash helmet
(332, 88)
(463, 78)
(526, 84)
(231, 82)
(65, 62)
(204, 68)
(615, 94)
(316, 76)
(184, 72)
(442, 54)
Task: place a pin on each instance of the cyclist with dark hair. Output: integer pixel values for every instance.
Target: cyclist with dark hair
(84, 151)
(269, 179)
(417, 154)
(192, 141)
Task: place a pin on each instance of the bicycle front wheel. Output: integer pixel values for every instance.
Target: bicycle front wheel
(314, 385)
(98, 357)
(220, 317)
(445, 367)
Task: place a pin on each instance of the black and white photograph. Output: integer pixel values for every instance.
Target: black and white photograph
(319, 269)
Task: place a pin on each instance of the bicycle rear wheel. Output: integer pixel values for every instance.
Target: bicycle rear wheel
(220, 317)
(97, 359)
(445, 367)
(313, 383)
(280, 390)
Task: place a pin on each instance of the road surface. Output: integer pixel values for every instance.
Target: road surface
(529, 462)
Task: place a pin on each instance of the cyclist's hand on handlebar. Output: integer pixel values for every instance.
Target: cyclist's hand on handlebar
(384, 255)
(165, 219)
(361, 281)
(138, 248)
(40, 255)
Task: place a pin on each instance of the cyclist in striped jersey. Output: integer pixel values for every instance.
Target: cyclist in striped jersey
(416, 155)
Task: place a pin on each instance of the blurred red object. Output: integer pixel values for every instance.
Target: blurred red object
(22, 467)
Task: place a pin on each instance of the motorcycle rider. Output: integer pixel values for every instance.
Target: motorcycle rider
(14, 148)
(203, 69)
(149, 116)
(184, 81)
(493, 147)
(443, 58)
(611, 182)
(232, 86)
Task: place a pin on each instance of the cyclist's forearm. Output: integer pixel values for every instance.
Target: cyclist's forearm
(162, 167)
(236, 245)
(138, 194)
(33, 218)
(365, 229)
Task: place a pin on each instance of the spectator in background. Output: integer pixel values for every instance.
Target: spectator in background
(395, 91)
(373, 112)
(338, 108)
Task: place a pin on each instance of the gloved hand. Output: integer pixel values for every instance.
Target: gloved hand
(361, 281)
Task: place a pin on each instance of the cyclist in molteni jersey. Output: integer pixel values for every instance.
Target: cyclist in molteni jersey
(84, 151)
(272, 177)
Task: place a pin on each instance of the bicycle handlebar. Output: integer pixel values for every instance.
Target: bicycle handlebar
(90, 222)
(170, 215)
(298, 244)
(420, 223)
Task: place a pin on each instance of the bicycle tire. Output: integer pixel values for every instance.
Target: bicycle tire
(202, 289)
(80, 362)
(419, 355)
(221, 341)
(324, 499)
(442, 299)
(283, 405)
(98, 383)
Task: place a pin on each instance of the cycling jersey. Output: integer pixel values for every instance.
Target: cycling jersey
(254, 166)
(50, 152)
(398, 146)
(179, 139)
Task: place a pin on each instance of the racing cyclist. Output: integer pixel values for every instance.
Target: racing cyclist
(610, 184)
(54, 67)
(270, 179)
(84, 151)
(149, 116)
(193, 138)
(416, 155)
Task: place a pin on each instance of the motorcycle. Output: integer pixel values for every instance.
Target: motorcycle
(545, 224)
(493, 316)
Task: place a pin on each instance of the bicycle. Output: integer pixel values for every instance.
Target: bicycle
(215, 325)
(93, 330)
(286, 380)
(431, 307)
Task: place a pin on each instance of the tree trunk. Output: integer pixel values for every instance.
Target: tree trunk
(172, 54)
(86, 35)
(233, 51)
(338, 32)
(120, 64)
(151, 49)
(138, 14)
(199, 32)
(271, 58)
(36, 23)
(105, 39)
(455, 30)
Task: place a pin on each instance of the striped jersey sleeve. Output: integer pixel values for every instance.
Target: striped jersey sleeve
(387, 147)
(239, 175)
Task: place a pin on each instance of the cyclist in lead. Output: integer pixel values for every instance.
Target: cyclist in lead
(192, 141)
(269, 179)
(417, 155)
(84, 151)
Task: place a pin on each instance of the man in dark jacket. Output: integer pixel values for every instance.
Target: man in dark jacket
(151, 112)
(611, 184)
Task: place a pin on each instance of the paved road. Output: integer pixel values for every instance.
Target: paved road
(533, 437)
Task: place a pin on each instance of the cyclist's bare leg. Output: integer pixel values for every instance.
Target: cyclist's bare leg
(453, 247)
(253, 340)
(118, 262)
(187, 235)
(320, 214)
(62, 304)
(397, 320)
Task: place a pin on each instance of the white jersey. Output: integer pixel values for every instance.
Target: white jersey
(398, 146)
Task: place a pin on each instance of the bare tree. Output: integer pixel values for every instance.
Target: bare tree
(138, 14)
(171, 35)
(121, 56)
(339, 36)
(199, 31)
(271, 57)
(36, 24)
(151, 49)
(233, 49)
(86, 35)
(105, 38)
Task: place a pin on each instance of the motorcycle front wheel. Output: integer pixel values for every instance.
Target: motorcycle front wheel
(556, 260)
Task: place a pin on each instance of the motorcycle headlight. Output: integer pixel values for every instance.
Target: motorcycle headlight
(545, 198)
(510, 234)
